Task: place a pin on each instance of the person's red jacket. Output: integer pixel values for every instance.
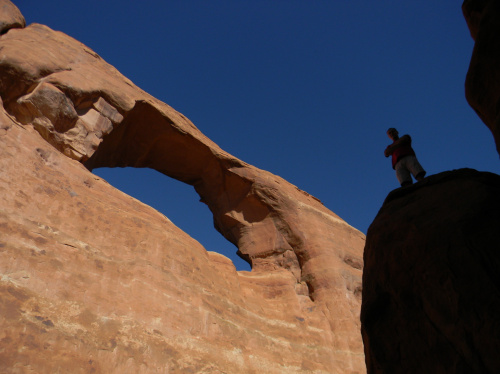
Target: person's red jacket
(399, 149)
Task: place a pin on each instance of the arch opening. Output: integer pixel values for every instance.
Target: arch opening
(177, 201)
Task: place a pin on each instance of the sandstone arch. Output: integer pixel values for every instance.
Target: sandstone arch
(306, 279)
(90, 112)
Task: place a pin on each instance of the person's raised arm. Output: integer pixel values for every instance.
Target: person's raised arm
(388, 151)
(405, 139)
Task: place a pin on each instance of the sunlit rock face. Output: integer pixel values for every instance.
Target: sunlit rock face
(431, 287)
(10, 17)
(482, 85)
(93, 280)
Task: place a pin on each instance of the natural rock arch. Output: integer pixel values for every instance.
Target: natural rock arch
(85, 108)
(306, 261)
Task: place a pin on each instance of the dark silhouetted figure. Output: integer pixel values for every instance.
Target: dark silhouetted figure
(404, 160)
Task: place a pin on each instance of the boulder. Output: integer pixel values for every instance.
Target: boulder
(10, 17)
(431, 288)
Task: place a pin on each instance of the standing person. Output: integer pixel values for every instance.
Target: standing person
(404, 160)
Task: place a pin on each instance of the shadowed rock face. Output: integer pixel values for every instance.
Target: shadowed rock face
(94, 280)
(482, 85)
(431, 289)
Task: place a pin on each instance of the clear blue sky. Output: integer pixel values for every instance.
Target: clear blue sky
(302, 88)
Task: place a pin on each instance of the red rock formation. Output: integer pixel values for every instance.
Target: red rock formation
(93, 280)
(431, 289)
(482, 85)
(11, 17)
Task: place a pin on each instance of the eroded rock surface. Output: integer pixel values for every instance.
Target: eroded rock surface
(482, 84)
(10, 17)
(94, 280)
(431, 288)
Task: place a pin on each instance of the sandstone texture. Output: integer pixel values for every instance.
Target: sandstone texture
(482, 84)
(93, 280)
(431, 287)
(10, 17)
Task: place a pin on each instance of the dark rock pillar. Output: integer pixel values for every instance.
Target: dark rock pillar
(431, 281)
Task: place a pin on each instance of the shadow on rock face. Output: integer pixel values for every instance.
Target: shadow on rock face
(431, 287)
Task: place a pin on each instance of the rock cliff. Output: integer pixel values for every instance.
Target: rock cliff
(482, 85)
(431, 289)
(93, 280)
